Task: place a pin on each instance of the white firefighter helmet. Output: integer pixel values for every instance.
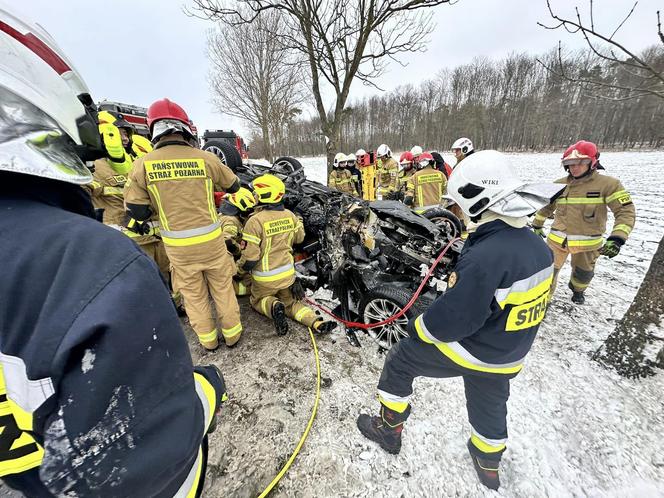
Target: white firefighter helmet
(351, 157)
(45, 128)
(383, 151)
(360, 152)
(464, 145)
(339, 158)
(486, 180)
(416, 150)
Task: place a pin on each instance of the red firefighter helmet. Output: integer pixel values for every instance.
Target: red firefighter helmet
(425, 159)
(166, 109)
(582, 150)
(406, 158)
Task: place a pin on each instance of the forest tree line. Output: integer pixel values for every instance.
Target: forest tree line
(511, 104)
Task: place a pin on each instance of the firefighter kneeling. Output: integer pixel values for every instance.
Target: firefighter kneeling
(269, 235)
(483, 326)
(233, 213)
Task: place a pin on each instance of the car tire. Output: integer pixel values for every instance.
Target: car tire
(289, 167)
(445, 219)
(226, 152)
(384, 301)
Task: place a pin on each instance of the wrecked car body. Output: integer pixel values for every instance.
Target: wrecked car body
(371, 255)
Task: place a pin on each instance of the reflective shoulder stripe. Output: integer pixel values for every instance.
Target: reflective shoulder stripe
(459, 355)
(276, 274)
(617, 195)
(422, 331)
(230, 229)
(525, 290)
(251, 238)
(112, 191)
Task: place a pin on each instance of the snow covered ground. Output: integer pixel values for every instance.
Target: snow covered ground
(576, 429)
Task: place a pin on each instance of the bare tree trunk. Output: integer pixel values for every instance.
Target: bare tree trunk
(636, 346)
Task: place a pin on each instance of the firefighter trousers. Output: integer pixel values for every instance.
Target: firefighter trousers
(242, 284)
(583, 266)
(486, 394)
(197, 281)
(265, 294)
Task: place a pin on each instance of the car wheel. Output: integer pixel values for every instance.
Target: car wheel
(226, 152)
(444, 219)
(289, 167)
(382, 303)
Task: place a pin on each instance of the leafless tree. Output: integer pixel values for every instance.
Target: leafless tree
(636, 346)
(342, 40)
(254, 77)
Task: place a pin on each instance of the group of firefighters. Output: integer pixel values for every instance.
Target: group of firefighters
(98, 393)
(418, 179)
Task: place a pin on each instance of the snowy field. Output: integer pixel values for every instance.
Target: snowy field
(576, 429)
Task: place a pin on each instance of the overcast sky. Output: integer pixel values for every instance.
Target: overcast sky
(137, 51)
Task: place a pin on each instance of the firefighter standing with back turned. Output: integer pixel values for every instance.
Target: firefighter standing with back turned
(580, 217)
(98, 394)
(484, 324)
(177, 181)
(269, 235)
(425, 188)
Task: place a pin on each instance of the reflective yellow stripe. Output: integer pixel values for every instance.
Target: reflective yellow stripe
(578, 285)
(232, 332)
(157, 198)
(209, 393)
(528, 314)
(230, 229)
(265, 260)
(112, 191)
(526, 296)
(485, 447)
(623, 228)
(95, 185)
(539, 219)
(397, 406)
(584, 243)
(616, 195)
(278, 276)
(422, 332)
(581, 200)
(199, 467)
(447, 350)
(251, 238)
(556, 238)
(191, 241)
(303, 311)
(210, 336)
(209, 188)
(264, 301)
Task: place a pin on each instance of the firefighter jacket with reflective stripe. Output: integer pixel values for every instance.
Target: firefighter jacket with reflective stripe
(341, 179)
(178, 182)
(488, 317)
(106, 191)
(231, 227)
(580, 212)
(269, 235)
(426, 187)
(404, 176)
(98, 395)
(387, 173)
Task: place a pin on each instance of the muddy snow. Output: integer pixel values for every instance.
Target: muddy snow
(575, 428)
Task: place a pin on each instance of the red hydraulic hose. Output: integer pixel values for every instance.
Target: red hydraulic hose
(367, 326)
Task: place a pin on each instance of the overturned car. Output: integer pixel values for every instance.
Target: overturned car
(371, 255)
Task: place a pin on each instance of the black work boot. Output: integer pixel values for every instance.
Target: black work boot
(279, 318)
(324, 327)
(384, 429)
(487, 470)
(577, 296)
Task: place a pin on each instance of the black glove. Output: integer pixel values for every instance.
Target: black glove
(139, 227)
(99, 214)
(408, 200)
(612, 247)
(297, 290)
